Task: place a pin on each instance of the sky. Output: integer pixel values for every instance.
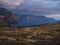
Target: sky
(48, 8)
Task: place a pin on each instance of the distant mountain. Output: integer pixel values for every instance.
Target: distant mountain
(28, 20)
(4, 11)
(7, 17)
(25, 19)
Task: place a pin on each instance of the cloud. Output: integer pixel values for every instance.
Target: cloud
(56, 16)
(49, 8)
(52, 0)
(44, 6)
(11, 3)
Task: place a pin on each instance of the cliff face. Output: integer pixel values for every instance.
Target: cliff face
(7, 17)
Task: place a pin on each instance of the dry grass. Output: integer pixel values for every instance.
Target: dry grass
(33, 35)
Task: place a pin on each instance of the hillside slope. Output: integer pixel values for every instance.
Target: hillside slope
(7, 17)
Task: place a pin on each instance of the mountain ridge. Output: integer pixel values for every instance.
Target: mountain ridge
(7, 17)
(29, 20)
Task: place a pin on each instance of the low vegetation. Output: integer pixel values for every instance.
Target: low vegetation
(31, 35)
